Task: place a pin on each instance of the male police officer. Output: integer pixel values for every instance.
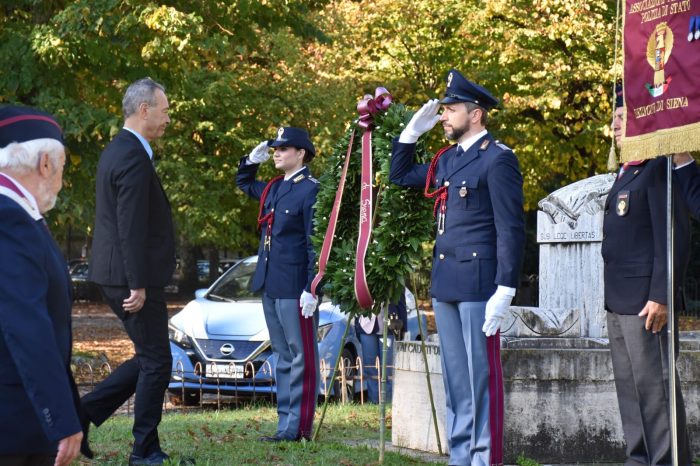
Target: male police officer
(476, 260)
(634, 252)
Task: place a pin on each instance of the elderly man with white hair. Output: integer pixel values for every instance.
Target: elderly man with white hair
(39, 423)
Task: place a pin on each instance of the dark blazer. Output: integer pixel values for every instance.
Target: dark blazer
(634, 244)
(37, 392)
(133, 245)
(482, 246)
(288, 267)
(687, 181)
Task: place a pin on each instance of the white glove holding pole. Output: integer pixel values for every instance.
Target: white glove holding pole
(422, 121)
(496, 308)
(308, 304)
(260, 154)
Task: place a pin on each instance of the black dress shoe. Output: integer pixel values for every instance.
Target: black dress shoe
(156, 458)
(85, 443)
(270, 438)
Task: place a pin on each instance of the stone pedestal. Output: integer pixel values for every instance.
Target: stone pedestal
(560, 400)
(411, 417)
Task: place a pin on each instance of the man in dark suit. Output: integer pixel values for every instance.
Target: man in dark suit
(39, 422)
(133, 258)
(634, 251)
(476, 259)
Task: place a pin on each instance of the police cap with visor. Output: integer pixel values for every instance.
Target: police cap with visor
(460, 89)
(288, 136)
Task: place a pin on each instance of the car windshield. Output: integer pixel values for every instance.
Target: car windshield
(234, 285)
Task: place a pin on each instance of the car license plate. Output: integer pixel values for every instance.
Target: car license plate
(225, 371)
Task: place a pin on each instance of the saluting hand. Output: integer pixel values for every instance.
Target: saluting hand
(135, 301)
(422, 121)
(656, 315)
(260, 154)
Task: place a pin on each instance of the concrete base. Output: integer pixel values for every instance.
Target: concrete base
(561, 405)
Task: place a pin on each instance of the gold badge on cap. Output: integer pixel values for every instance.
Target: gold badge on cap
(280, 132)
(463, 191)
(449, 80)
(623, 203)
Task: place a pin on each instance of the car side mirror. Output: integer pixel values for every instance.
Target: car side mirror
(200, 293)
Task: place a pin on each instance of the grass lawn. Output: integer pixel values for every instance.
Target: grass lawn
(230, 437)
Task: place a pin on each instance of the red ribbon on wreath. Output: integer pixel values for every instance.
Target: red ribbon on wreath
(367, 108)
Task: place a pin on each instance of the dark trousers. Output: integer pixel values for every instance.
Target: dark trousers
(146, 374)
(640, 366)
(27, 460)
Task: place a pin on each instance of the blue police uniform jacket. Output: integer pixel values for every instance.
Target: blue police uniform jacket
(38, 397)
(484, 235)
(288, 267)
(634, 247)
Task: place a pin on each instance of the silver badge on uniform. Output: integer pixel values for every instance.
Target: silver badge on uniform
(449, 79)
(623, 203)
(280, 132)
(463, 191)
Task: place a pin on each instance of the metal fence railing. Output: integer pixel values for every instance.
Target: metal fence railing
(221, 391)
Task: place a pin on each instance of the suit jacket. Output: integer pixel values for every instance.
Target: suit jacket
(687, 180)
(634, 244)
(37, 393)
(482, 245)
(288, 267)
(133, 244)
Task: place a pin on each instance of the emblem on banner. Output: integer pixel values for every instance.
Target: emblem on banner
(623, 203)
(659, 49)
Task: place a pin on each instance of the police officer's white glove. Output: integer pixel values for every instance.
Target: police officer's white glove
(496, 308)
(308, 304)
(260, 154)
(422, 121)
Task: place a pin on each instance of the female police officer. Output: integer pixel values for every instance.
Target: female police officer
(284, 273)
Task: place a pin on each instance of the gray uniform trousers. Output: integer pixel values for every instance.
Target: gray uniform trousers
(465, 373)
(640, 366)
(297, 375)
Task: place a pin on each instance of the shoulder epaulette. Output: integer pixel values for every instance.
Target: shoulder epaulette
(502, 146)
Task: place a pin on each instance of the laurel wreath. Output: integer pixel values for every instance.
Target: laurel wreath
(402, 218)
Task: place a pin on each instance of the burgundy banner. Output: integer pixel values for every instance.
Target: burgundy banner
(661, 77)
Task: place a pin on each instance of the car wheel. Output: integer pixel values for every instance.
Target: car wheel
(191, 398)
(350, 373)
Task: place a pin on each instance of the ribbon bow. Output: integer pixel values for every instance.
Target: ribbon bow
(369, 106)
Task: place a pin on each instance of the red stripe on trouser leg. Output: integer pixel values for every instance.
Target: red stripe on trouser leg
(496, 405)
(308, 393)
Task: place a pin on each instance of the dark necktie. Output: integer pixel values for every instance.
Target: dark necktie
(457, 156)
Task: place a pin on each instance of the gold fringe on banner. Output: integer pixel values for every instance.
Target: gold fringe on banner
(662, 142)
(612, 158)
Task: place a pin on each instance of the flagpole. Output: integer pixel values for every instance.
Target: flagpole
(671, 311)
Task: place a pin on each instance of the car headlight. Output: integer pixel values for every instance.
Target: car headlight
(322, 332)
(178, 336)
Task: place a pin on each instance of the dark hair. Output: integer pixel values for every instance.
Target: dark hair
(472, 106)
(308, 155)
